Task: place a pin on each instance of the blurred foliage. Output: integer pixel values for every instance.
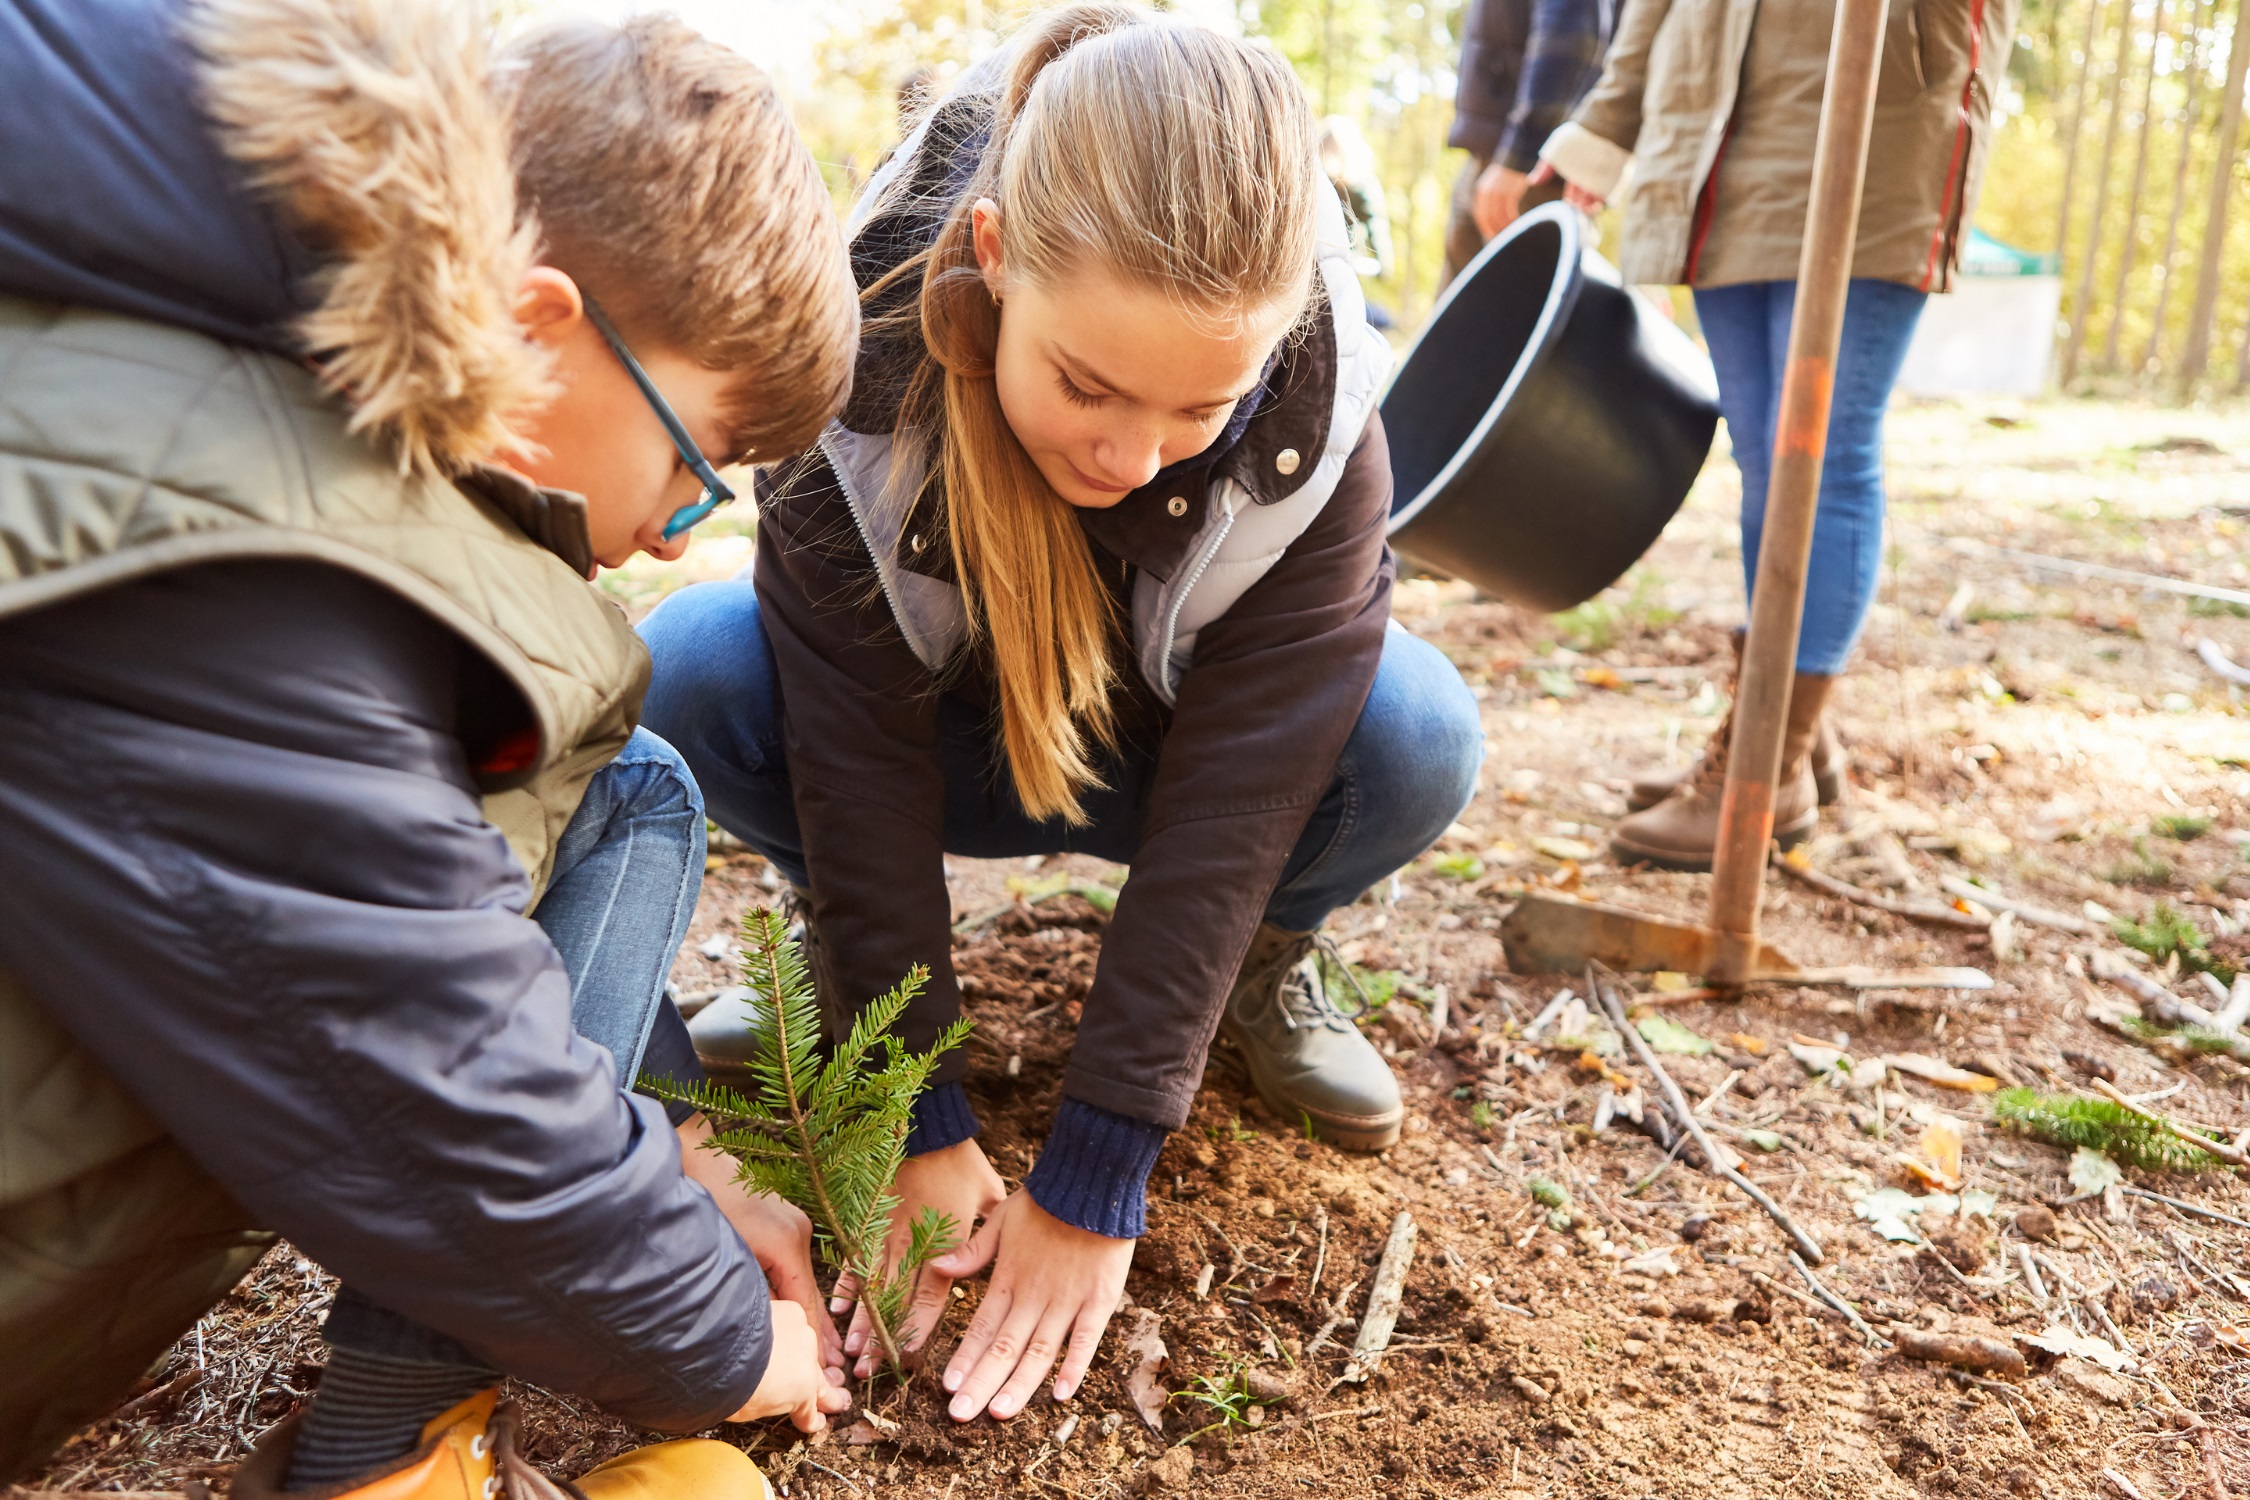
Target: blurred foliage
(1388, 65)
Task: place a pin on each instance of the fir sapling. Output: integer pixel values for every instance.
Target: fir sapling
(828, 1133)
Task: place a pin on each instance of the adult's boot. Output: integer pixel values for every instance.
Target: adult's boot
(1682, 831)
(1828, 761)
(1306, 1058)
(469, 1453)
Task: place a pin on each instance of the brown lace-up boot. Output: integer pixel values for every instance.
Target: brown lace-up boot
(1680, 832)
(1652, 787)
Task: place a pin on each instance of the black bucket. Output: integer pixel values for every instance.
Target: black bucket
(1547, 424)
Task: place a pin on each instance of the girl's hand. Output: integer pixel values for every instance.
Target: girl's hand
(777, 1233)
(956, 1181)
(795, 1385)
(1574, 195)
(1053, 1286)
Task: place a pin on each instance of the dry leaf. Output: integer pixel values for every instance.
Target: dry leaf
(1143, 1382)
(1555, 846)
(1601, 677)
(2091, 1172)
(1943, 1074)
(2061, 1339)
(1756, 1046)
(1941, 1148)
(2234, 1336)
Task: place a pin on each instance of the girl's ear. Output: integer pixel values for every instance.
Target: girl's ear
(548, 306)
(984, 227)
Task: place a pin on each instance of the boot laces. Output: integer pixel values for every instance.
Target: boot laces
(1296, 986)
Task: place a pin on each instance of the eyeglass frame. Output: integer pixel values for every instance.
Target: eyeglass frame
(716, 491)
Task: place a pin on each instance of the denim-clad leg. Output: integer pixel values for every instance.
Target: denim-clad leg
(1406, 772)
(617, 905)
(627, 872)
(1747, 329)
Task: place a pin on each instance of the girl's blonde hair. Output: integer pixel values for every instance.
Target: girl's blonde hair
(1172, 158)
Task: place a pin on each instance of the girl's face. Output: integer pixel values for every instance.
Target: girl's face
(1105, 383)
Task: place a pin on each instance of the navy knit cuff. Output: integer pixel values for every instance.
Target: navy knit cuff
(942, 1117)
(1094, 1172)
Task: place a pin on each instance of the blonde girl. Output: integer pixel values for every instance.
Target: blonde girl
(1093, 562)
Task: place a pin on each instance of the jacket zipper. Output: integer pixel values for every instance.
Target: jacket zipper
(1179, 600)
(1957, 168)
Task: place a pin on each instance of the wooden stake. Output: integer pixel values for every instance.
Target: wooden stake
(1777, 606)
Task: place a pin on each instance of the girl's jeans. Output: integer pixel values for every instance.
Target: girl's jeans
(626, 875)
(1747, 329)
(1406, 772)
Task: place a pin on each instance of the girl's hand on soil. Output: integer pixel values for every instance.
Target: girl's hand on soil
(796, 1385)
(1052, 1284)
(959, 1183)
(778, 1234)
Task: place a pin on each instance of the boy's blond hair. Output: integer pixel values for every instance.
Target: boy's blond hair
(667, 179)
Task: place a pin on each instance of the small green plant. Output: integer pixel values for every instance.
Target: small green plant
(2143, 869)
(829, 1134)
(1458, 866)
(2168, 932)
(1227, 1396)
(1481, 1115)
(1555, 1198)
(2182, 827)
(1374, 988)
(2076, 1120)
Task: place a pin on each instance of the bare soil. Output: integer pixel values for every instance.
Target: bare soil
(2045, 733)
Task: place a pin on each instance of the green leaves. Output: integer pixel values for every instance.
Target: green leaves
(2097, 1125)
(828, 1133)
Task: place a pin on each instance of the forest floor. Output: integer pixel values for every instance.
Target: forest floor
(2048, 735)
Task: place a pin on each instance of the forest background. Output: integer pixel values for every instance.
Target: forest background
(2116, 114)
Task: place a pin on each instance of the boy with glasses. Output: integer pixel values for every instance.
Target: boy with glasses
(337, 886)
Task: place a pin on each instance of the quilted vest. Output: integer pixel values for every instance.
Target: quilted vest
(228, 453)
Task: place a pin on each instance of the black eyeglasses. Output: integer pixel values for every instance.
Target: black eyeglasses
(716, 491)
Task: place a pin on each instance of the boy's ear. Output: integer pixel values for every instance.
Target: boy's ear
(548, 306)
(984, 232)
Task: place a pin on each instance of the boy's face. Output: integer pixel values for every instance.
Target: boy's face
(601, 439)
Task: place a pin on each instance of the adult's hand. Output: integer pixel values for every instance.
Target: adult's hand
(959, 1183)
(1498, 198)
(1053, 1289)
(778, 1233)
(795, 1385)
(1574, 195)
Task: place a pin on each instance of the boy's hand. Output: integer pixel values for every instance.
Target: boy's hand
(796, 1385)
(1053, 1289)
(956, 1181)
(778, 1233)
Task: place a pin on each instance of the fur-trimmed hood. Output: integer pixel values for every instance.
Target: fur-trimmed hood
(323, 178)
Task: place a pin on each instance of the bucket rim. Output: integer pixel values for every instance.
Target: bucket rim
(1562, 297)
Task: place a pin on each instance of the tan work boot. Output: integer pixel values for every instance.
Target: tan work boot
(1305, 1056)
(469, 1453)
(1828, 761)
(1681, 832)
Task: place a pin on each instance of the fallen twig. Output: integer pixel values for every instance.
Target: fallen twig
(2186, 1207)
(1383, 1301)
(1962, 1351)
(2155, 581)
(1851, 1314)
(2037, 916)
(2122, 1485)
(2220, 1149)
(1606, 993)
(1913, 911)
(1320, 1263)
(2219, 662)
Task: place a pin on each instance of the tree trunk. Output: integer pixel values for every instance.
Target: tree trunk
(2081, 310)
(2195, 64)
(2077, 119)
(2125, 251)
(2206, 305)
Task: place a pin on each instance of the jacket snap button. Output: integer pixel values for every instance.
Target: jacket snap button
(1286, 460)
(1177, 505)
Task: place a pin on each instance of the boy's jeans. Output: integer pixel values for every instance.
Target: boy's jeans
(617, 907)
(1406, 772)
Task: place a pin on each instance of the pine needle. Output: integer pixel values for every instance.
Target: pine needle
(2169, 931)
(2076, 1120)
(828, 1132)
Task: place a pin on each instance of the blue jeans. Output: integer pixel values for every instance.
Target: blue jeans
(627, 871)
(1406, 772)
(1747, 329)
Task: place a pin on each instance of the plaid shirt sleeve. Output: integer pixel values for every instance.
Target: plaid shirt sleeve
(1562, 58)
